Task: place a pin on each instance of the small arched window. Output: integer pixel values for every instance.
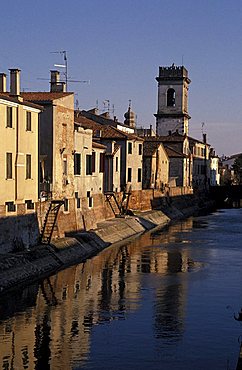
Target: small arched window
(171, 98)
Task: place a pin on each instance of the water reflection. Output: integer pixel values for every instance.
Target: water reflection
(169, 313)
(49, 326)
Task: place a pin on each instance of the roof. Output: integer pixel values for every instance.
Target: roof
(172, 153)
(8, 97)
(194, 141)
(44, 96)
(169, 138)
(233, 156)
(98, 145)
(107, 131)
(102, 119)
(116, 148)
(150, 147)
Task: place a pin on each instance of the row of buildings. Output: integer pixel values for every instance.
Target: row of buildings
(49, 150)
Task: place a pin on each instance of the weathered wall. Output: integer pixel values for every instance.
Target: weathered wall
(18, 141)
(63, 122)
(24, 228)
(134, 161)
(83, 182)
(19, 231)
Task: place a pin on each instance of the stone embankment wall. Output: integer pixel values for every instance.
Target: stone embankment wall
(43, 260)
(22, 230)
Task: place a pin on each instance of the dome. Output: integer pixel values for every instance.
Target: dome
(129, 118)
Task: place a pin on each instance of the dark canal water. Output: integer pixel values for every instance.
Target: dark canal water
(164, 301)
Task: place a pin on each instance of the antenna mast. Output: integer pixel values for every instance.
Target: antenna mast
(63, 52)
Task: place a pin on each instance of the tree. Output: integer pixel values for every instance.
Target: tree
(237, 167)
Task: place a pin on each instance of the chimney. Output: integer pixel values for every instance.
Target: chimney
(55, 84)
(169, 132)
(93, 111)
(205, 138)
(105, 114)
(150, 130)
(14, 82)
(3, 82)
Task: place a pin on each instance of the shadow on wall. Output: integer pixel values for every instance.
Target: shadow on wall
(18, 233)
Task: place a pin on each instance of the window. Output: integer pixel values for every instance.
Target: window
(29, 204)
(11, 207)
(102, 162)
(116, 164)
(93, 161)
(88, 164)
(90, 199)
(9, 117)
(66, 205)
(171, 98)
(78, 200)
(9, 166)
(28, 166)
(139, 174)
(140, 149)
(129, 148)
(28, 121)
(129, 174)
(77, 164)
(65, 166)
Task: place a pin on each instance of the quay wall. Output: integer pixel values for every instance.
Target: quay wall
(22, 268)
(21, 229)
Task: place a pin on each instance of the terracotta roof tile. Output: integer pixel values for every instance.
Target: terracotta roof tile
(172, 153)
(13, 99)
(150, 147)
(98, 145)
(44, 96)
(107, 131)
(168, 138)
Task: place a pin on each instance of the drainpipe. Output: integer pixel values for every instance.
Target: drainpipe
(205, 160)
(17, 150)
(156, 167)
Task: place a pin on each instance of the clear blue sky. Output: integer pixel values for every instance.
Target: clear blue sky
(119, 46)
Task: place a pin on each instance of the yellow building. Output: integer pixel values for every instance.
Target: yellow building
(19, 147)
(18, 163)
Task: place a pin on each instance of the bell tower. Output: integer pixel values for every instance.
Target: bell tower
(172, 113)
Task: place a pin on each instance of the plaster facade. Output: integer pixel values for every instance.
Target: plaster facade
(155, 166)
(18, 154)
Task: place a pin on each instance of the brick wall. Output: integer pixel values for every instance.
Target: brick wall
(24, 228)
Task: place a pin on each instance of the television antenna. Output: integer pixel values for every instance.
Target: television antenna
(66, 78)
(62, 52)
(106, 107)
(202, 126)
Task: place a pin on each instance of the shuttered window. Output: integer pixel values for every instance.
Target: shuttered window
(102, 162)
(9, 117)
(28, 121)
(77, 164)
(88, 164)
(28, 166)
(9, 166)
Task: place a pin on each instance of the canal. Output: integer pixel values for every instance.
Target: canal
(166, 300)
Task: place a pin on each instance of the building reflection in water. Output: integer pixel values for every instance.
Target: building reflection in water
(49, 326)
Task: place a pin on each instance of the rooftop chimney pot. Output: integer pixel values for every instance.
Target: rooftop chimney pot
(14, 81)
(3, 82)
(55, 84)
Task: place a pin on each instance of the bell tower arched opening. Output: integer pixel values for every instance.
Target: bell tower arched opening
(171, 98)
